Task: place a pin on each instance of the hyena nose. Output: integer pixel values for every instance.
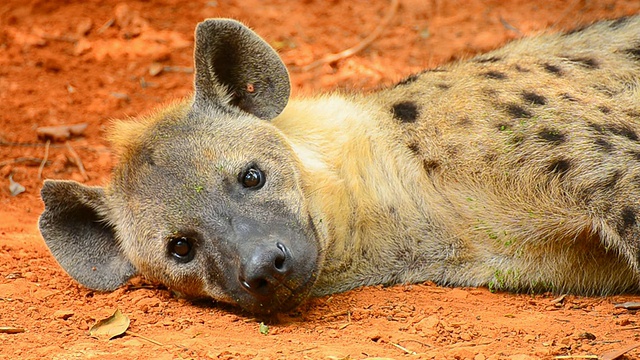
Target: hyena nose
(264, 271)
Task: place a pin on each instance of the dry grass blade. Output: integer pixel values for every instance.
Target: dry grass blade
(11, 330)
(44, 160)
(361, 45)
(144, 338)
(77, 161)
(614, 354)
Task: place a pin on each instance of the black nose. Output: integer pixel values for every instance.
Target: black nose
(265, 269)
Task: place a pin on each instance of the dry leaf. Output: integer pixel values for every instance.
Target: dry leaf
(264, 329)
(629, 305)
(106, 329)
(14, 187)
(614, 354)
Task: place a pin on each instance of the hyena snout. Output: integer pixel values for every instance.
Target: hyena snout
(276, 264)
(266, 269)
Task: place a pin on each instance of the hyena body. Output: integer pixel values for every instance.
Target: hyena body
(518, 170)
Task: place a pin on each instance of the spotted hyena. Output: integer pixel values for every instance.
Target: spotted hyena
(518, 170)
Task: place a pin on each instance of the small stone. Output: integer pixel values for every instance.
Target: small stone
(63, 314)
(30, 276)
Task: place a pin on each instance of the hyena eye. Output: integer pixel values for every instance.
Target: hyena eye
(181, 248)
(252, 178)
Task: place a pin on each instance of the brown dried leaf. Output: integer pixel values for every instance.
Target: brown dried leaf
(614, 354)
(106, 329)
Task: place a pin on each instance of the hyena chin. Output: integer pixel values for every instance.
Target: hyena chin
(518, 170)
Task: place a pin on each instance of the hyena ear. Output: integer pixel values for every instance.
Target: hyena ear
(233, 64)
(75, 228)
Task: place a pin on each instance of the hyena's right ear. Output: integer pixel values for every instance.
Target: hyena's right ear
(79, 236)
(234, 66)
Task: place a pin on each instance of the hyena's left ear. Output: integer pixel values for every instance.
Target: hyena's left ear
(234, 65)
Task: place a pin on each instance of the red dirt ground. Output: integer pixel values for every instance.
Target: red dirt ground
(64, 62)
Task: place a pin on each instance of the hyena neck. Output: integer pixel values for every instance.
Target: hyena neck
(366, 188)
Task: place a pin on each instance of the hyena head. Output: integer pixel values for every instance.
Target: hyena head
(207, 197)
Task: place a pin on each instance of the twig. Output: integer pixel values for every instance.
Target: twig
(44, 160)
(31, 160)
(630, 328)
(361, 45)
(337, 313)
(77, 160)
(404, 349)
(106, 25)
(11, 330)
(348, 321)
(416, 341)
(144, 338)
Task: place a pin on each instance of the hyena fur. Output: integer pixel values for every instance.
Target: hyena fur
(518, 170)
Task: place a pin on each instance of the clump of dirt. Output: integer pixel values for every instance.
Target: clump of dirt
(66, 63)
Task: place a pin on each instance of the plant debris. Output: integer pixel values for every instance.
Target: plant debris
(61, 133)
(106, 329)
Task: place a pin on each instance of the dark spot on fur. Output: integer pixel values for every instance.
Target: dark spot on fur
(613, 180)
(604, 109)
(576, 30)
(430, 166)
(464, 121)
(443, 86)
(635, 155)
(596, 127)
(568, 97)
(521, 69)
(490, 92)
(585, 62)
(559, 167)
(415, 148)
(621, 22)
(553, 69)
(627, 219)
(633, 113)
(615, 130)
(146, 155)
(409, 79)
(531, 97)
(623, 131)
(634, 52)
(518, 111)
(516, 139)
(490, 157)
(491, 59)
(497, 75)
(603, 144)
(605, 90)
(406, 111)
(552, 136)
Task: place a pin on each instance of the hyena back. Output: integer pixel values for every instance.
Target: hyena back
(518, 169)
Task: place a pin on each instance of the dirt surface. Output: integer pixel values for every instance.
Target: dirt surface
(64, 63)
